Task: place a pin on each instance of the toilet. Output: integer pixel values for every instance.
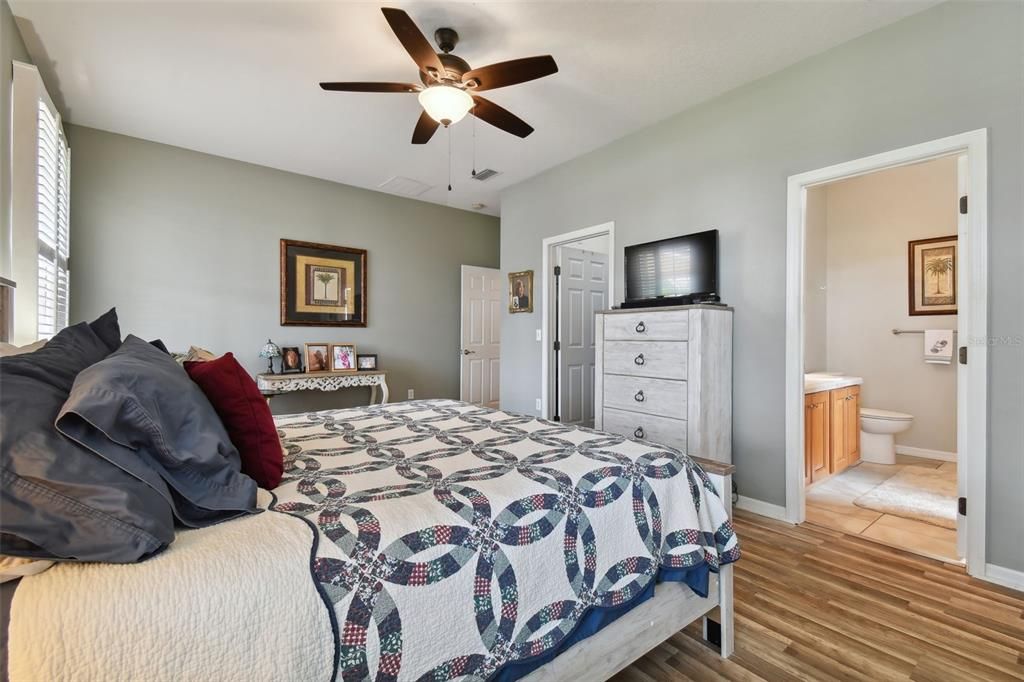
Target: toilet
(878, 429)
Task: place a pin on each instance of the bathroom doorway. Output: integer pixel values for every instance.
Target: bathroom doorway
(880, 408)
(885, 439)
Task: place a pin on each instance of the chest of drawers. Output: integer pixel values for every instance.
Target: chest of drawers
(665, 375)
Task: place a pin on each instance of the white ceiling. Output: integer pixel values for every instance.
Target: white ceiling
(239, 79)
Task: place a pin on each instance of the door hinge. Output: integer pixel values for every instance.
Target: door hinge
(963, 205)
(961, 506)
(558, 270)
(963, 355)
(558, 346)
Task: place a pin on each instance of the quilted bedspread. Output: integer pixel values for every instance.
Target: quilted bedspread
(458, 541)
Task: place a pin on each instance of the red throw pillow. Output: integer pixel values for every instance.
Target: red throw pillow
(246, 416)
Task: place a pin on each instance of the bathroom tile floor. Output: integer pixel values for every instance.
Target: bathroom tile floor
(830, 504)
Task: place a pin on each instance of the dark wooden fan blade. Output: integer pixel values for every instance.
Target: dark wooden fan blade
(425, 128)
(509, 73)
(370, 87)
(498, 117)
(413, 40)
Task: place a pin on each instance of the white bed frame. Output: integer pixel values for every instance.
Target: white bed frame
(673, 607)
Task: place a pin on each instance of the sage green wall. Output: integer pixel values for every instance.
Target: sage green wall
(12, 47)
(186, 246)
(724, 164)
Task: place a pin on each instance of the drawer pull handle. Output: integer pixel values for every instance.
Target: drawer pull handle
(639, 396)
(641, 327)
(639, 433)
(639, 360)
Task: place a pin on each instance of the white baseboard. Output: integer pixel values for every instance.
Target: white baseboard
(772, 511)
(1007, 577)
(926, 453)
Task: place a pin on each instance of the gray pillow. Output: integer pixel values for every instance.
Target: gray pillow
(108, 329)
(139, 410)
(58, 499)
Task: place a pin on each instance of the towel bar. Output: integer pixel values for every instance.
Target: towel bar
(897, 332)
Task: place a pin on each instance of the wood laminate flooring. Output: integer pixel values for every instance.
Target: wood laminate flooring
(813, 603)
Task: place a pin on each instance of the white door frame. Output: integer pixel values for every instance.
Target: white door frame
(972, 322)
(546, 322)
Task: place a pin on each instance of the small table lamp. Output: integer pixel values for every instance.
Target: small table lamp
(270, 351)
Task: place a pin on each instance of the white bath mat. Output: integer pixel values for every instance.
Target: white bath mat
(917, 493)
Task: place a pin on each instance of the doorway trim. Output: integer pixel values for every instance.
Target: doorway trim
(972, 322)
(547, 309)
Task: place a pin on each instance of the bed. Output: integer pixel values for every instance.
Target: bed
(425, 540)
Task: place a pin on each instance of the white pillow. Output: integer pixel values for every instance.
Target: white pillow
(14, 567)
(7, 349)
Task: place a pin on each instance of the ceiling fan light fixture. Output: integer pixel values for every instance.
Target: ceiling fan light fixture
(445, 104)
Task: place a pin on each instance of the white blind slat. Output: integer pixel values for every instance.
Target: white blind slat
(53, 201)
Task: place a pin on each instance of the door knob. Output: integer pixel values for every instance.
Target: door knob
(466, 351)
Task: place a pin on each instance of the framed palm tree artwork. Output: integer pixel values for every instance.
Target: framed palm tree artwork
(932, 271)
(322, 285)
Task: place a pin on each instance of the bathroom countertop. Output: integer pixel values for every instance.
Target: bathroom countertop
(817, 382)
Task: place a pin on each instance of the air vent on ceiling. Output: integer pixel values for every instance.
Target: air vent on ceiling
(404, 186)
(485, 174)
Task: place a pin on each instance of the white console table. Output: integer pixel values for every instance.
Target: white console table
(276, 384)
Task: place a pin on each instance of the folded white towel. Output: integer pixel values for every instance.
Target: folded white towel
(938, 346)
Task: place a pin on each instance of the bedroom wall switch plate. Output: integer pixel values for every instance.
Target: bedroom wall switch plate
(539, 337)
(412, 394)
(537, 404)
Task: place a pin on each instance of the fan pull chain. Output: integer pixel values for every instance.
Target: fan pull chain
(474, 143)
(449, 158)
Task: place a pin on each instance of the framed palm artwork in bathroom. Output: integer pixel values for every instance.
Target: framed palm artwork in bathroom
(932, 271)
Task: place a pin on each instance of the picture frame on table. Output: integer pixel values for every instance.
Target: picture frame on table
(291, 360)
(343, 357)
(367, 362)
(322, 285)
(932, 271)
(318, 357)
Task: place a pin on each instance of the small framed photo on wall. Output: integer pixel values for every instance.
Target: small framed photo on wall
(520, 292)
(318, 358)
(367, 362)
(343, 357)
(932, 271)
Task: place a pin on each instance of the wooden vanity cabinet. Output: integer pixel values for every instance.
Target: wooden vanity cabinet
(831, 432)
(816, 436)
(851, 426)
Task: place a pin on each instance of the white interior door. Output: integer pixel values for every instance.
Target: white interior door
(583, 290)
(482, 298)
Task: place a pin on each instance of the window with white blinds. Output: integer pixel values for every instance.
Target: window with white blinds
(54, 204)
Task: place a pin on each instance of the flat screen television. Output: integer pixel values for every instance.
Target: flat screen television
(674, 271)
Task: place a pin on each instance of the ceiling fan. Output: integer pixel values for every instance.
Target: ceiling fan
(449, 85)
